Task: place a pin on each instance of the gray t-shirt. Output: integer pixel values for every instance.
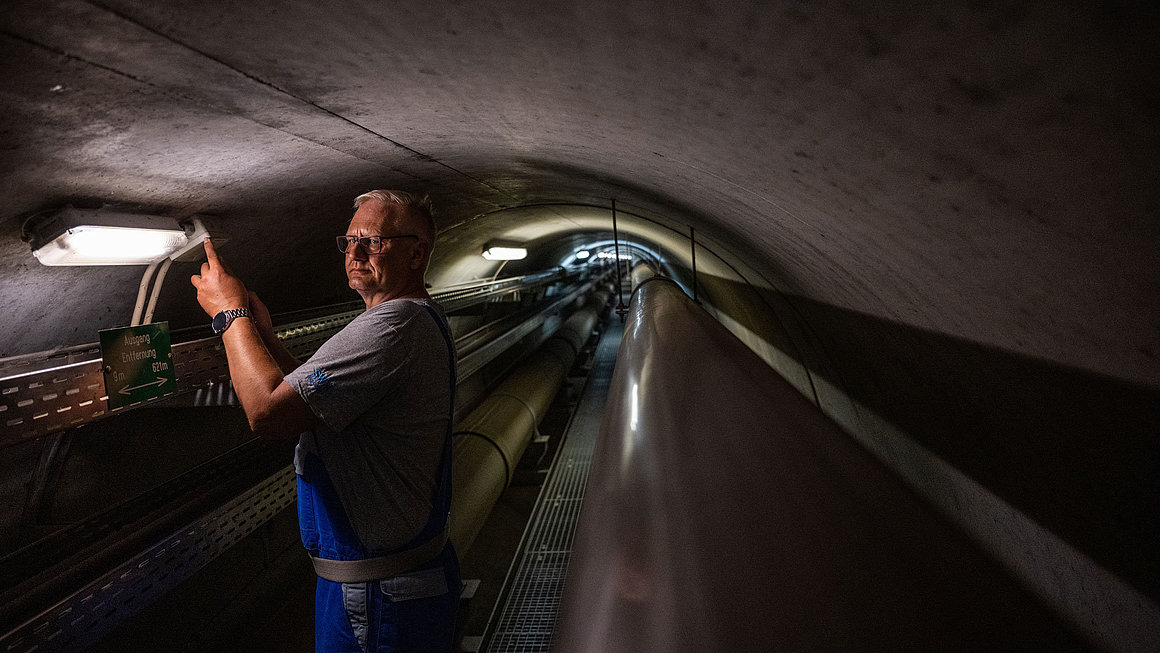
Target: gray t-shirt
(381, 387)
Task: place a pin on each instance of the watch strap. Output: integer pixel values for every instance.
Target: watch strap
(227, 317)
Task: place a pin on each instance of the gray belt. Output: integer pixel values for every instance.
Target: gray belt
(361, 571)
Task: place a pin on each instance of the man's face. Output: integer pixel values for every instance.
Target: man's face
(386, 273)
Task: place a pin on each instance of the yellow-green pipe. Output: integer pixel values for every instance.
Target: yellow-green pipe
(489, 442)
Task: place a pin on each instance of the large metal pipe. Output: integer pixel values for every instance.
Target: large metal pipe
(725, 512)
(641, 272)
(489, 442)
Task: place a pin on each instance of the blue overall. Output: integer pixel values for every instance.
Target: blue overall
(414, 611)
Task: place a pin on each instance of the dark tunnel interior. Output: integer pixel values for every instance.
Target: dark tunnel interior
(939, 222)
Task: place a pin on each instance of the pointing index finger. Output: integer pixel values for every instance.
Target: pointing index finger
(210, 254)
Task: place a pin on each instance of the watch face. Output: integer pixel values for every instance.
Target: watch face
(219, 322)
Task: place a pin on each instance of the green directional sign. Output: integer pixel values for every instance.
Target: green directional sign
(138, 364)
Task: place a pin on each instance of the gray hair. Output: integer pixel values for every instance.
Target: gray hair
(421, 205)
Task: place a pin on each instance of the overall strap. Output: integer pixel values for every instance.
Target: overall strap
(443, 496)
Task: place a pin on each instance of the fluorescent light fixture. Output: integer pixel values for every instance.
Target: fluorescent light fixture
(100, 237)
(98, 245)
(504, 252)
(623, 257)
(583, 254)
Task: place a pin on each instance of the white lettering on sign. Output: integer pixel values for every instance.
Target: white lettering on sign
(134, 341)
(130, 356)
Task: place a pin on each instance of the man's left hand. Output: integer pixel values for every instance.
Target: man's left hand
(217, 287)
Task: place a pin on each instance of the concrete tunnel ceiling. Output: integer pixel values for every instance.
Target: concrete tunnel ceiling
(946, 167)
(978, 178)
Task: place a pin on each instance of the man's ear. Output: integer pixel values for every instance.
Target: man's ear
(419, 255)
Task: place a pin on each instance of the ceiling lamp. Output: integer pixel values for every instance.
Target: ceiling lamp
(496, 251)
(623, 257)
(75, 236)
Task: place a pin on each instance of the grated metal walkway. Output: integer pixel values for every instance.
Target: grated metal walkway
(526, 614)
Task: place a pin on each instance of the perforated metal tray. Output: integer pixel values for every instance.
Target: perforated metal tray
(40, 394)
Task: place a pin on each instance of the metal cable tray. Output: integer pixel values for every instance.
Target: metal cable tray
(65, 561)
(82, 618)
(51, 391)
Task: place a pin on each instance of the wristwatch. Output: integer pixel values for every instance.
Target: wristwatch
(222, 320)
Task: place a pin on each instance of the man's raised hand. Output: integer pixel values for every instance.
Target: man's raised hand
(217, 287)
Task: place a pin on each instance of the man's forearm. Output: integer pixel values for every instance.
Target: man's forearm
(273, 408)
(256, 359)
(282, 356)
(253, 368)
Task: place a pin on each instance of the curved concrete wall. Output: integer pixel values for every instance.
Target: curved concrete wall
(938, 221)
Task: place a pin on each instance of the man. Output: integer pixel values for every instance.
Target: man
(373, 407)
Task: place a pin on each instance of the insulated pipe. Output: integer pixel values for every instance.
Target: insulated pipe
(142, 293)
(724, 512)
(640, 273)
(148, 319)
(489, 442)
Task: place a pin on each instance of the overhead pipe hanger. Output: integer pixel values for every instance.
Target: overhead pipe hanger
(693, 250)
(621, 308)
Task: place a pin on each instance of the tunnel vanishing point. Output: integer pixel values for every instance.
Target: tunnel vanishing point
(937, 221)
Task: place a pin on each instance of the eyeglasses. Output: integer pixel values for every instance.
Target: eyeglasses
(370, 244)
